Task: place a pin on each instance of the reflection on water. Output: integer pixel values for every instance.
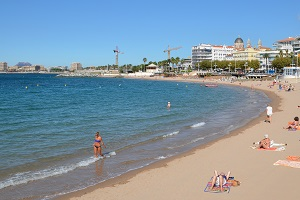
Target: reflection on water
(99, 167)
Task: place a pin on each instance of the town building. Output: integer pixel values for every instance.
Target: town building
(3, 66)
(285, 45)
(210, 52)
(76, 66)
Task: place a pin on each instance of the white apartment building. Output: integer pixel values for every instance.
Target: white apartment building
(210, 52)
(76, 66)
(200, 53)
(263, 62)
(222, 52)
(285, 45)
(3, 66)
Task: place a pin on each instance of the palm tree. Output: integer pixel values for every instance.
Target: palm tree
(280, 54)
(181, 63)
(145, 60)
(266, 56)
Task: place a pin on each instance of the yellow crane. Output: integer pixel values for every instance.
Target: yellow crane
(171, 49)
(117, 52)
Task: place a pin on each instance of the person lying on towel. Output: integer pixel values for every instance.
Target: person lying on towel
(265, 143)
(219, 180)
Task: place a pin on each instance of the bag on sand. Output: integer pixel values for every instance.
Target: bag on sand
(234, 183)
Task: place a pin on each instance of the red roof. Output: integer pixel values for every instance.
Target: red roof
(287, 39)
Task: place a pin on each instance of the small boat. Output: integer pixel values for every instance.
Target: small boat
(211, 85)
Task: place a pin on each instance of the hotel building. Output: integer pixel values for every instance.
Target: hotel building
(210, 52)
(3, 66)
(76, 66)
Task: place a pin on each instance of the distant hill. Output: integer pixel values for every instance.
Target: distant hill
(21, 64)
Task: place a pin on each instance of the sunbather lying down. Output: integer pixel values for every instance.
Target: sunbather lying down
(219, 180)
(266, 143)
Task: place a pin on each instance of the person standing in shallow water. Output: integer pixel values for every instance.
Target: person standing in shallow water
(98, 145)
(169, 105)
(269, 110)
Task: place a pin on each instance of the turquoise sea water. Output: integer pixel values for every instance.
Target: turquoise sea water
(48, 124)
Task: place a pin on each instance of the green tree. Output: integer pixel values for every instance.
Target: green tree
(280, 63)
(205, 64)
(145, 60)
(280, 54)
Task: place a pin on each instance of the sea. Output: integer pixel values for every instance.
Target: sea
(48, 124)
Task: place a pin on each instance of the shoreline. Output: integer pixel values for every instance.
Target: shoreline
(127, 179)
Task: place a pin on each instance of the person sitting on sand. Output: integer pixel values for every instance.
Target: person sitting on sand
(293, 125)
(219, 180)
(265, 143)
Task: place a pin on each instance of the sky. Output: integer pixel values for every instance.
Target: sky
(59, 32)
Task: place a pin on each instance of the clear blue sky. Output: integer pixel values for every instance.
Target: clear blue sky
(59, 32)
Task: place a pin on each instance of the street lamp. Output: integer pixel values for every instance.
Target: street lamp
(246, 64)
(229, 67)
(234, 65)
(215, 65)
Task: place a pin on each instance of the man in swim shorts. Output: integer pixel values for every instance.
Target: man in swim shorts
(269, 110)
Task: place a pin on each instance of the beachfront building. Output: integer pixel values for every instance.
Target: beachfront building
(3, 66)
(264, 62)
(285, 45)
(210, 52)
(76, 66)
(222, 52)
(200, 53)
(291, 72)
(152, 68)
(296, 44)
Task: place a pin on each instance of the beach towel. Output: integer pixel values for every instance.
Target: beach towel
(269, 149)
(217, 189)
(288, 163)
(293, 158)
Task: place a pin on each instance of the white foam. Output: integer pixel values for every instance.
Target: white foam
(171, 134)
(160, 158)
(198, 125)
(25, 177)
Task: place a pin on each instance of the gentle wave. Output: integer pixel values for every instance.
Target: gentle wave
(26, 177)
(188, 143)
(198, 125)
(171, 134)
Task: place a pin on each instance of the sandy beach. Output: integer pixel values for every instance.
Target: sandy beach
(186, 176)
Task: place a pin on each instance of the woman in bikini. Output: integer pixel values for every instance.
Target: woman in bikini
(98, 145)
(293, 125)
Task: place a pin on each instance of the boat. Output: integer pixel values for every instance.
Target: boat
(211, 85)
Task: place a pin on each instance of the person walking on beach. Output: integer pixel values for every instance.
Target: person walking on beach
(269, 110)
(98, 145)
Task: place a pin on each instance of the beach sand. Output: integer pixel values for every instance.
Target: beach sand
(185, 176)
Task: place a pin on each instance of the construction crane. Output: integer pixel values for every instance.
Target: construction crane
(171, 49)
(117, 52)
